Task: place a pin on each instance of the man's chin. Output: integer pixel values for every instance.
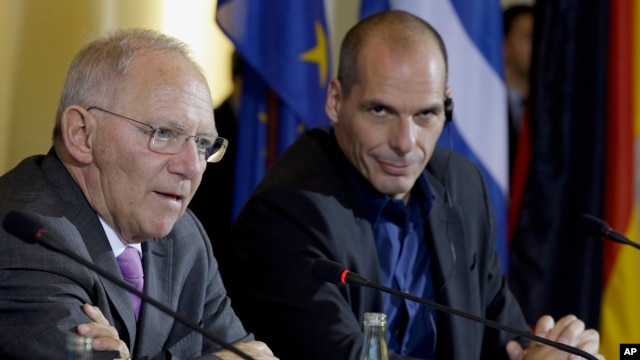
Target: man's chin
(161, 228)
(396, 191)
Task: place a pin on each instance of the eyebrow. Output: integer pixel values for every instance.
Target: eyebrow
(434, 107)
(368, 104)
(437, 107)
(174, 125)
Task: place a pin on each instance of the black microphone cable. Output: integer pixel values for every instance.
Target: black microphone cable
(332, 272)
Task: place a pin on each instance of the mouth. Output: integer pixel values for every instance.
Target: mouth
(171, 197)
(394, 168)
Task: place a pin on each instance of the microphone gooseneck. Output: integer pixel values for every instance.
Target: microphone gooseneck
(594, 226)
(327, 270)
(26, 227)
(599, 228)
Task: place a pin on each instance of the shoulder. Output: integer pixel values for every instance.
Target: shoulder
(456, 177)
(23, 181)
(311, 163)
(40, 184)
(188, 230)
(452, 169)
(444, 162)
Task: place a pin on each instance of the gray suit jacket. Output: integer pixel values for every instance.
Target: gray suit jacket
(41, 291)
(307, 208)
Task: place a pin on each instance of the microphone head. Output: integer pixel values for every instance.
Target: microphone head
(22, 225)
(329, 271)
(593, 226)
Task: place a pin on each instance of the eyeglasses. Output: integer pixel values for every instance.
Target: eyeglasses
(168, 141)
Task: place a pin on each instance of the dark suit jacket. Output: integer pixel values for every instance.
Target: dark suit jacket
(41, 291)
(306, 208)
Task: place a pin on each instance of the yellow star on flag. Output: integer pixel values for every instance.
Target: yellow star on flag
(319, 53)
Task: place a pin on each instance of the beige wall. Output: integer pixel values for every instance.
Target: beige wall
(44, 35)
(9, 14)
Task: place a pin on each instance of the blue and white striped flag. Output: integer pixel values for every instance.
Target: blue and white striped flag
(472, 32)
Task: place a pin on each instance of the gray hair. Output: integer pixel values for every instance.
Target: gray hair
(96, 71)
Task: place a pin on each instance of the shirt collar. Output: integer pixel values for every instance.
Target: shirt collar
(114, 240)
(375, 201)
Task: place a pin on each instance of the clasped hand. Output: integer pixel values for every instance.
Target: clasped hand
(106, 338)
(568, 330)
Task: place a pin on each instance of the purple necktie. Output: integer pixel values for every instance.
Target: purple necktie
(131, 268)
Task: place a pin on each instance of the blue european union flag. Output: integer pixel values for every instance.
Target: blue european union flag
(286, 49)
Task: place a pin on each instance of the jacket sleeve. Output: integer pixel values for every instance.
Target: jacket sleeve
(41, 298)
(274, 241)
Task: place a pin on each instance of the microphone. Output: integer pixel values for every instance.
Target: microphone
(335, 273)
(25, 227)
(597, 227)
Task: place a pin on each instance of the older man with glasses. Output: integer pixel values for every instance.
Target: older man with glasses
(116, 192)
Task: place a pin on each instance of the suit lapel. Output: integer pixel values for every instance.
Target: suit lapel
(448, 240)
(80, 213)
(122, 308)
(155, 324)
(446, 232)
(103, 257)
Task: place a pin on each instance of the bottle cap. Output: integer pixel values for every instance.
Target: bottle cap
(77, 343)
(375, 319)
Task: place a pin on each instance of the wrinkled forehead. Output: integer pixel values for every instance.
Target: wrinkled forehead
(168, 87)
(421, 63)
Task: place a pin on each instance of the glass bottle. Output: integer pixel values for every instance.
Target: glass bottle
(375, 341)
(78, 347)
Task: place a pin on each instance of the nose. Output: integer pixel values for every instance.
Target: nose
(403, 136)
(189, 162)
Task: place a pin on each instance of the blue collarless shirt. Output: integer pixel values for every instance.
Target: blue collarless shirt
(405, 264)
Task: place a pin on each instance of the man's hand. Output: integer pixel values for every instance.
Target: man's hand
(256, 349)
(105, 336)
(569, 330)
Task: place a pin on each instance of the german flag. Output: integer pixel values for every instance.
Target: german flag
(620, 312)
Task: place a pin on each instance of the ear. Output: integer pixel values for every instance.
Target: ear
(78, 127)
(334, 100)
(447, 92)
